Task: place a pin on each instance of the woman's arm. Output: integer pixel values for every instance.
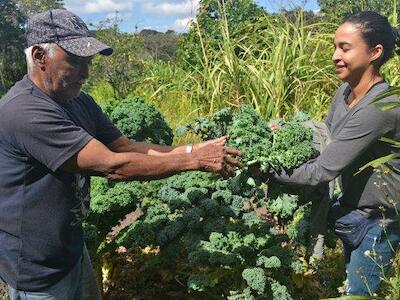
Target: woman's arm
(361, 130)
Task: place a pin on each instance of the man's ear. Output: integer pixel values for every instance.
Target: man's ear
(377, 53)
(39, 56)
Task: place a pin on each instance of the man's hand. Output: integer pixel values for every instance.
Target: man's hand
(214, 156)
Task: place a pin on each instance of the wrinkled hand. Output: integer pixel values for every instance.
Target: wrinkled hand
(214, 156)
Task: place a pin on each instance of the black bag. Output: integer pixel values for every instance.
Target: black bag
(350, 225)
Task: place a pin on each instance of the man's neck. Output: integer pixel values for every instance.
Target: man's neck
(44, 85)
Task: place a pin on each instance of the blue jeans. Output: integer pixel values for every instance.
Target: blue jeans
(367, 264)
(78, 284)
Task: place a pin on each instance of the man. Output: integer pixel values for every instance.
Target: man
(52, 137)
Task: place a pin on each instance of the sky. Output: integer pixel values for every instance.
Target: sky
(160, 15)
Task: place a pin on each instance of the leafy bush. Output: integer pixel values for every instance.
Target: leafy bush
(140, 121)
(213, 224)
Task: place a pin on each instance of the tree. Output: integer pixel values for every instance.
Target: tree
(12, 64)
(337, 10)
(123, 69)
(13, 18)
(31, 7)
(161, 46)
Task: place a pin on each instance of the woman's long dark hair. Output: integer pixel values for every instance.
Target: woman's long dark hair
(375, 29)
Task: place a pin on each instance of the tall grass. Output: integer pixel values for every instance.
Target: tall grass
(277, 65)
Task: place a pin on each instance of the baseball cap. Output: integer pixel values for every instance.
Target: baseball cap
(67, 30)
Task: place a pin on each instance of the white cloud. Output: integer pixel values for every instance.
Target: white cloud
(186, 8)
(98, 6)
(181, 25)
(118, 15)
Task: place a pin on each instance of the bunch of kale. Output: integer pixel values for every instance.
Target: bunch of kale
(212, 224)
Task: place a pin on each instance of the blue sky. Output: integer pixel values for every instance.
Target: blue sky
(159, 15)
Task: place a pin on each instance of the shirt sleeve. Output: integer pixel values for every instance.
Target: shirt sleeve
(43, 132)
(361, 130)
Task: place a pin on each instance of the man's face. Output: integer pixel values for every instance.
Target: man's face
(65, 74)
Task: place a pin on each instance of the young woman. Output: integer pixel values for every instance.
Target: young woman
(363, 43)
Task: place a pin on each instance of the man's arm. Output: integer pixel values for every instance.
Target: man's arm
(95, 158)
(123, 144)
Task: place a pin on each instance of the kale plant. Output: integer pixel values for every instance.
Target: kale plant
(140, 121)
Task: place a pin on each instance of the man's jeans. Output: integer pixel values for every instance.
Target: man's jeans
(78, 284)
(370, 261)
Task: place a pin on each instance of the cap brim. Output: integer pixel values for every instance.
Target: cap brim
(85, 46)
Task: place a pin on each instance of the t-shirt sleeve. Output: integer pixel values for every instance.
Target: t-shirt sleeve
(43, 132)
(106, 131)
(363, 129)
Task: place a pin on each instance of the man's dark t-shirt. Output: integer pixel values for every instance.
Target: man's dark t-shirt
(41, 206)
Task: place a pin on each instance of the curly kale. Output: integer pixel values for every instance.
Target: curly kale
(301, 116)
(192, 217)
(216, 224)
(292, 157)
(251, 219)
(290, 135)
(180, 200)
(211, 128)
(110, 202)
(156, 213)
(225, 258)
(227, 211)
(269, 262)
(222, 196)
(143, 232)
(237, 203)
(92, 237)
(210, 207)
(256, 279)
(192, 241)
(249, 133)
(278, 291)
(184, 181)
(138, 234)
(292, 146)
(168, 194)
(170, 232)
(217, 221)
(199, 282)
(299, 227)
(280, 202)
(140, 121)
(199, 258)
(194, 195)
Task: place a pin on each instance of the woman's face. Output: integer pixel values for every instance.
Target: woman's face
(352, 56)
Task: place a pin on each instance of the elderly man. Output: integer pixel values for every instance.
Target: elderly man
(53, 137)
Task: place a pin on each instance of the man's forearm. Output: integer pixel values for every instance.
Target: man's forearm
(123, 144)
(96, 158)
(135, 166)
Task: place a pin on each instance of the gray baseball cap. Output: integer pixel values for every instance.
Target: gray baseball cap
(67, 30)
